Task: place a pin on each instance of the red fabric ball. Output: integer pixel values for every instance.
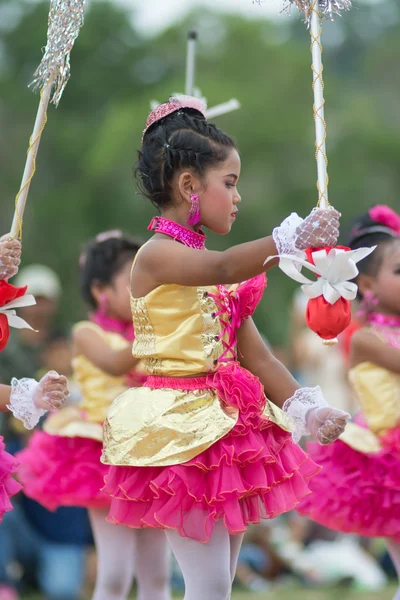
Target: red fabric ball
(8, 293)
(328, 320)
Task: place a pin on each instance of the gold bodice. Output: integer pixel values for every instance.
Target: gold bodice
(177, 330)
(98, 391)
(378, 392)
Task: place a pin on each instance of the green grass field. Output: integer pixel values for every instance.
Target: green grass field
(301, 594)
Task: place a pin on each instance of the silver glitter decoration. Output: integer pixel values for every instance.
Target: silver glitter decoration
(327, 8)
(65, 21)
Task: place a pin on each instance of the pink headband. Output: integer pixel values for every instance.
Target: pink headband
(174, 104)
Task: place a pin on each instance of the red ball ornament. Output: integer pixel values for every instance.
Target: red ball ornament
(8, 293)
(328, 320)
(325, 319)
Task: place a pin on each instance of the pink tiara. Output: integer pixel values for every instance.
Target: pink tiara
(174, 104)
(383, 214)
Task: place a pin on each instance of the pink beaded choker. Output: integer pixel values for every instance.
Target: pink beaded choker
(383, 320)
(188, 237)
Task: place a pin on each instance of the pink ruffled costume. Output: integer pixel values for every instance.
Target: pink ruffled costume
(61, 465)
(358, 489)
(199, 442)
(8, 486)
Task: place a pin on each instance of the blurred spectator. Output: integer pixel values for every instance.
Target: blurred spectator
(37, 546)
(316, 556)
(23, 355)
(45, 549)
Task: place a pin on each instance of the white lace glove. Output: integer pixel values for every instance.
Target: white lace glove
(311, 415)
(319, 229)
(10, 257)
(30, 400)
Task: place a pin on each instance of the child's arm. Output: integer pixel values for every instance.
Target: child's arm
(368, 347)
(163, 261)
(90, 343)
(279, 384)
(306, 406)
(5, 391)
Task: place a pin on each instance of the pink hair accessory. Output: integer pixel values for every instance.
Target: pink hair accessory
(174, 104)
(383, 214)
(194, 212)
(108, 235)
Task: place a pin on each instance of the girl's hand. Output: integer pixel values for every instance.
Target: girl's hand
(319, 229)
(10, 257)
(326, 424)
(51, 392)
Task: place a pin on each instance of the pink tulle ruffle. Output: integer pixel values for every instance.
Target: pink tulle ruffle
(355, 492)
(254, 472)
(8, 486)
(60, 471)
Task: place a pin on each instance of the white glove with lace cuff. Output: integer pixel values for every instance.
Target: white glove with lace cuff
(319, 229)
(311, 415)
(30, 400)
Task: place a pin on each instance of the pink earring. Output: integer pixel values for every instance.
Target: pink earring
(367, 304)
(194, 213)
(103, 306)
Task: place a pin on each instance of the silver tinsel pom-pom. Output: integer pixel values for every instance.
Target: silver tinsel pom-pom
(65, 21)
(327, 9)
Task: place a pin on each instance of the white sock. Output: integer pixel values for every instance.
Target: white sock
(206, 568)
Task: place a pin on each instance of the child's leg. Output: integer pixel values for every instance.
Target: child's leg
(115, 547)
(205, 567)
(152, 564)
(235, 545)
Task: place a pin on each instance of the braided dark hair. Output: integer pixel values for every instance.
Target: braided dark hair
(102, 259)
(183, 139)
(366, 232)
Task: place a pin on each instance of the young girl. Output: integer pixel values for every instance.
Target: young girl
(61, 466)
(199, 451)
(358, 489)
(26, 398)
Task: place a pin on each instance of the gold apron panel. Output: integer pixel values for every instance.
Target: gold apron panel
(69, 422)
(160, 427)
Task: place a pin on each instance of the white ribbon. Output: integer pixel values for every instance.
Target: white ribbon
(10, 313)
(334, 270)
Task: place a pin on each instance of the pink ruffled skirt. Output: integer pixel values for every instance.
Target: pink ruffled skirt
(254, 472)
(61, 471)
(355, 492)
(8, 486)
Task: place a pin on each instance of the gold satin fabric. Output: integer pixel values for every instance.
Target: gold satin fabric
(147, 427)
(98, 392)
(176, 330)
(176, 335)
(378, 392)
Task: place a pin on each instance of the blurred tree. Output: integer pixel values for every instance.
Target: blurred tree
(84, 181)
